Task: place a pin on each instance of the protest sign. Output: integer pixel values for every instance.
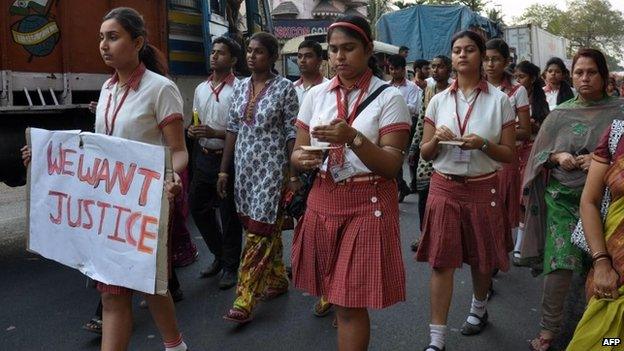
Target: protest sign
(96, 203)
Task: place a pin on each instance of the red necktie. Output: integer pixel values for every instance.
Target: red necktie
(337, 156)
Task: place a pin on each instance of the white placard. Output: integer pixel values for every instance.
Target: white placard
(96, 204)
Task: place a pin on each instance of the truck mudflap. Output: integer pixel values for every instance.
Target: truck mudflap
(12, 137)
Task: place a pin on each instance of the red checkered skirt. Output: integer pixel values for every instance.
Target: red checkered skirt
(509, 183)
(464, 223)
(347, 246)
(524, 151)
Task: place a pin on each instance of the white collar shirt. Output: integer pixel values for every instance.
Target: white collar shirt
(491, 113)
(386, 114)
(152, 102)
(301, 90)
(213, 107)
(412, 95)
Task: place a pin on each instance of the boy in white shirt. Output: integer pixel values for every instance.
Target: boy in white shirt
(210, 108)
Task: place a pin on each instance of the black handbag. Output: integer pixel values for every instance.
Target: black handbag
(296, 205)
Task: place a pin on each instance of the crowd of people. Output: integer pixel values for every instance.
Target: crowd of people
(504, 160)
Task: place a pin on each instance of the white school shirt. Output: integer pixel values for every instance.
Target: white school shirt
(214, 113)
(301, 90)
(412, 95)
(491, 113)
(518, 95)
(551, 96)
(431, 82)
(386, 114)
(153, 101)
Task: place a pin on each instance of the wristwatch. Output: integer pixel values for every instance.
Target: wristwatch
(485, 145)
(357, 140)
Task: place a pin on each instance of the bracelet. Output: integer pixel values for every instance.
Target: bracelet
(394, 149)
(294, 179)
(597, 257)
(602, 258)
(223, 175)
(596, 254)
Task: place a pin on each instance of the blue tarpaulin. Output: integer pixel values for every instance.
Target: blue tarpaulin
(427, 29)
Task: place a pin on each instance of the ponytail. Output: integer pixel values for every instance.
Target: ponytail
(132, 21)
(537, 99)
(539, 105)
(153, 59)
(565, 92)
(374, 66)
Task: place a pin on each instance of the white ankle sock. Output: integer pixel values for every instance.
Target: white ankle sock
(519, 239)
(477, 307)
(438, 335)
(176, 345)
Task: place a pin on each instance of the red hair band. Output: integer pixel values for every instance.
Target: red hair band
(351, 26)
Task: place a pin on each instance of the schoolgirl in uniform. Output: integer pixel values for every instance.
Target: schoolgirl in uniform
(496, 59)
(347, 245)
(465, 217)
(138, 103)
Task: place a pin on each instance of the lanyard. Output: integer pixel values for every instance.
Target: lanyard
(462, 127)
(216, 91)
(109, 130)
(340, 102)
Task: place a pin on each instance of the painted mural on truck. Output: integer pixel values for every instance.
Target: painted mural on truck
(37, 31)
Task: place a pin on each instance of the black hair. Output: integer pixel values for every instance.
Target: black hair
(446, 60)
(420, 63)
(498, 45)
(133, 23)
(403, 48)
(537, 99)
(477, 38)
(270, 43)
(314, 45)
(235, 49)
(599, 59)
(397, 61)
(362, 23)
(565, 91)
(501, 46)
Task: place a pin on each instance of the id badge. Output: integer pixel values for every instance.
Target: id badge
(340, 173)
(461, 156)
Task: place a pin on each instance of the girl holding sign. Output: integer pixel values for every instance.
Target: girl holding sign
(138, 103)
(347, 244)
(469, 130)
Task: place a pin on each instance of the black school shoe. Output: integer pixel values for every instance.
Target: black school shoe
(474, 329)
(434, 348)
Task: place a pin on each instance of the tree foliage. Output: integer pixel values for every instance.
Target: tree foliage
(495, 15)
(375, 9)
(586, 23)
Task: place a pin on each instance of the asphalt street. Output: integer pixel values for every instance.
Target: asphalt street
(43, 304)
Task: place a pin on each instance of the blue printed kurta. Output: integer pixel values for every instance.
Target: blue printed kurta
(261, 155)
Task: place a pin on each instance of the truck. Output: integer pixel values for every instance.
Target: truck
(532, 43)
(427, 29)
(51, 69)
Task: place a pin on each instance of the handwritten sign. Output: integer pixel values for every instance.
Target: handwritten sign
(96, 204)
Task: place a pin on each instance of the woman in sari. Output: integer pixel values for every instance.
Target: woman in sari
(605, 312)
(554, 179)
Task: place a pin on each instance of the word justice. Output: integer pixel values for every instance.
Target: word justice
(78, 213)
(63, 162)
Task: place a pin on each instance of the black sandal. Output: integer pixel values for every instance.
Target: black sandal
(474, 329)
(434, 348)
(94, 326)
